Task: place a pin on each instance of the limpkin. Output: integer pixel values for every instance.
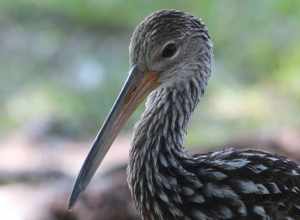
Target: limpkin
(171, 55)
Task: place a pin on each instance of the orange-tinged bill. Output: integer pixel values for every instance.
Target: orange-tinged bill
(137, 86)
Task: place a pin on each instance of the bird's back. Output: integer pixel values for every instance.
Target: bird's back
(243, 185)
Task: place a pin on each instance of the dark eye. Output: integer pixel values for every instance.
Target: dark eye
(169, 50)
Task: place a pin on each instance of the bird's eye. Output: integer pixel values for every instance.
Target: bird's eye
(169, 50)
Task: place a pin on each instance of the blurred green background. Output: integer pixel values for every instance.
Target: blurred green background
(63, 63)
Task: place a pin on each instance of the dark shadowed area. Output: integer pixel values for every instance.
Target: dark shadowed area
(63, 63)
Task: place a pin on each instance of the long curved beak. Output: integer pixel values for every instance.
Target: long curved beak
(137, 86)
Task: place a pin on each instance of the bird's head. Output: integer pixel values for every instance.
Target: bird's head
(168, 47)
(172, 44)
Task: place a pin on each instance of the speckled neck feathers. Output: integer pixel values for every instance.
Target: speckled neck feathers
(158, 142)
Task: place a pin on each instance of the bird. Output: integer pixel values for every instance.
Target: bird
(171, 58)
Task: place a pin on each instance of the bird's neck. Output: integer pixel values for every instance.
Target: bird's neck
(158, 139)
(163, 124)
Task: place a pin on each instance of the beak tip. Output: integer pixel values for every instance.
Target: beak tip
(70, 205)
(71, 202)
(74, 197)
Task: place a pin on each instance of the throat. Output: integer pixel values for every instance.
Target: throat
(163, 124)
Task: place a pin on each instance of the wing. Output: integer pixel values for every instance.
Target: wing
(249, 184)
